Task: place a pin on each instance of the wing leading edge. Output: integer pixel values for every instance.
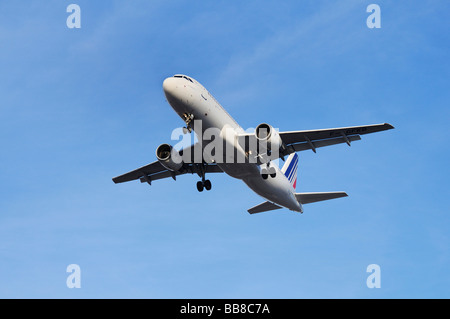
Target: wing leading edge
(150, 169)
(156, 170)
(333, 133)
(295, 141)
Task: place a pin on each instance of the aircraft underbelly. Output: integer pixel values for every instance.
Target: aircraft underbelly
(240, 171)
(276, 190)
(273, 189)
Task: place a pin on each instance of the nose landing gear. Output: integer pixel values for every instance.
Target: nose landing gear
(188, 118)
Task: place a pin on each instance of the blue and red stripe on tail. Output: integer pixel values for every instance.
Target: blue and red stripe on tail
(290, 169)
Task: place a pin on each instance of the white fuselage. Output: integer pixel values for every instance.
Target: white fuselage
(187, 96)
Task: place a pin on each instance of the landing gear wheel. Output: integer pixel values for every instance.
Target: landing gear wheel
(200, 186)
(207, 184)
(272, 172)
(264, 176)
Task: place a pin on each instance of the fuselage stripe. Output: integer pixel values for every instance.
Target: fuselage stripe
(288, 171)
(292, 164)
(291, 167)
(294, 170)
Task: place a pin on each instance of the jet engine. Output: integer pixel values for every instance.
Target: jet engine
(268, 139)
(169, 157)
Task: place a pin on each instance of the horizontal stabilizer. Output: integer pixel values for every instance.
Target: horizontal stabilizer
(263, 207)
(306, 198)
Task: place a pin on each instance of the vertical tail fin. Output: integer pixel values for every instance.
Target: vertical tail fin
(290, 169)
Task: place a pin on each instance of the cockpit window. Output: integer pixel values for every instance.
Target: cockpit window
(184, 77)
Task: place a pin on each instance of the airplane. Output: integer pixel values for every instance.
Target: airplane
(243, 160)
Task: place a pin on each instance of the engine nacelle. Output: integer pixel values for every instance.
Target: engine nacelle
(268, 139)
(169, 157)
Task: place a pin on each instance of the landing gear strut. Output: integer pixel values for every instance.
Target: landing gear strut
(187, 117)
(204, 183)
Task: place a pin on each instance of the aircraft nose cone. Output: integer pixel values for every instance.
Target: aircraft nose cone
(169, 87)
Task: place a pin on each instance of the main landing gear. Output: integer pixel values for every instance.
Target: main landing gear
(204, 183)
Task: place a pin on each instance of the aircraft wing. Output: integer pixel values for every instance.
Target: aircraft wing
(295, 141)
(150, 169)
(156, 170)
(318, 138)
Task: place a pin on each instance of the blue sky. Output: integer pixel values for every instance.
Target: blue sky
(79, 106)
